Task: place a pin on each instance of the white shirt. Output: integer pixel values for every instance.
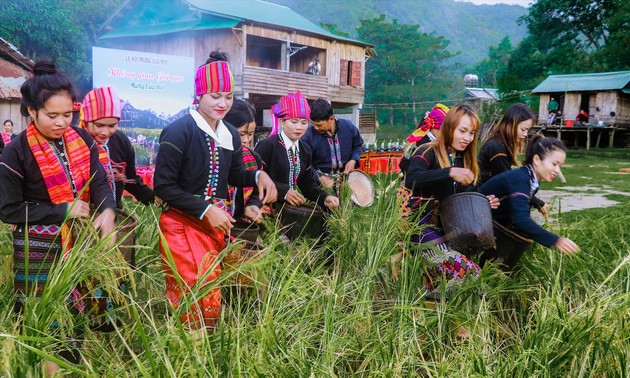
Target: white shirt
(222, 135)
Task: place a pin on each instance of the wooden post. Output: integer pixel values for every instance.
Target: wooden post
(588, 139)
(611, 140)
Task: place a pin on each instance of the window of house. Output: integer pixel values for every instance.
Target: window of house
(350, 73)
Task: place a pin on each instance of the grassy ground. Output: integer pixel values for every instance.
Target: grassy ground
(557, 316)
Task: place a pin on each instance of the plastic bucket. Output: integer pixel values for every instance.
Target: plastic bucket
(569, 123)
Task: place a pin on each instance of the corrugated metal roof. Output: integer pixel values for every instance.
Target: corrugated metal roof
(584, 82)
(483, 93)
(266, 13)
(170, 27)
(14, 55)
(10, 86)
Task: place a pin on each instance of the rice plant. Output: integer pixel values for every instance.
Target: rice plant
(305, 314)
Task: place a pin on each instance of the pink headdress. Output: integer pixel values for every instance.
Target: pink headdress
(101, 103)
(433, 120)
(213, 77)
(293, 105)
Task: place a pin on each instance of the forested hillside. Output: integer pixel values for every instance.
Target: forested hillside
(470, 28)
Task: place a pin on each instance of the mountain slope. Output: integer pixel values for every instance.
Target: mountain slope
(470, 28)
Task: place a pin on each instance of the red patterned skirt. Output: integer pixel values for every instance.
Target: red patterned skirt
(193, 249)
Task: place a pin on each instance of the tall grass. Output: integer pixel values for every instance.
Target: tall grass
(556, 316)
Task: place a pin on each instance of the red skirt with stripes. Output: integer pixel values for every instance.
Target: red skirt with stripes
(193, 249)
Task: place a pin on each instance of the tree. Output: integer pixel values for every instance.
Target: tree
(495, 65)
(410, 66)
(577, 35)
(63, 31)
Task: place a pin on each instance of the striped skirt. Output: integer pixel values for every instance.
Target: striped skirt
(193, 248)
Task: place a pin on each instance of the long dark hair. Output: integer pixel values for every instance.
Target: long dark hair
(242, 113)
(542, 146)
(506, 130)
(45, 83)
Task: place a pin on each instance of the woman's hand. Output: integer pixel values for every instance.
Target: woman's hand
(326, 181)
(463, 176)
(106, 222)
(294, 198)
(331, 202)
(219, 219)
(78, 209)
(566, 246)
(494, 201)
(544, 210)
(254, 213)
(267, 188)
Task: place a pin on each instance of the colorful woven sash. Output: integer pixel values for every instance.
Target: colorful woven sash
(335, 152)
(63, 183)
(250, 164)
(6, 138)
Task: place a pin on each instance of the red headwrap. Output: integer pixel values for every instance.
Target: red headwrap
(293, 105)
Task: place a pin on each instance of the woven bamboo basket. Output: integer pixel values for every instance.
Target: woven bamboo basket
(245, 231)
(245, 252)
(304, 220)
(467, 222)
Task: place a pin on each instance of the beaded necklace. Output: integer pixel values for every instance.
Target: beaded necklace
(294, 166)
(213, 174)
(109, 171)
(59, 149)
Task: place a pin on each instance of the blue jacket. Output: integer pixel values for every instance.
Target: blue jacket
(350, 143)
(514, 189)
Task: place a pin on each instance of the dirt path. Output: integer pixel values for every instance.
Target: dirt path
(570, 198)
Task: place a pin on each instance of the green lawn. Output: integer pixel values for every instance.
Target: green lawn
(556, 316)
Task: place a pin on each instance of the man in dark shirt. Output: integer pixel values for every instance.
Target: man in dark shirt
(335, 143)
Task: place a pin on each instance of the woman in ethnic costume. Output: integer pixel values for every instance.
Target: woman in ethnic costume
(288, 160)
(428, 131)
(438, 170)
(516, 188)
(45, 178)
(199, 157)
(499, 150)
(100, 114)
(246, 201)
(7, 135)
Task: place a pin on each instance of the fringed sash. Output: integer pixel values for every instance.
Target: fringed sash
(64, 183)
(6, 138)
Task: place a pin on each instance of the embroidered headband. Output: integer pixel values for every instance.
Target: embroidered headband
(433, 120)
(213, 77)
(101, 103)
(293, 105)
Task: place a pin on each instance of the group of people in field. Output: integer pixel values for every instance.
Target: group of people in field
(208, 174)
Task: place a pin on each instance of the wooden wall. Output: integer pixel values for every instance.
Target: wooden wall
(543, 113)
(571, 106)
(623, 110)
(10, 109)
(336, 50)
(607, 102)
(199, 44)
